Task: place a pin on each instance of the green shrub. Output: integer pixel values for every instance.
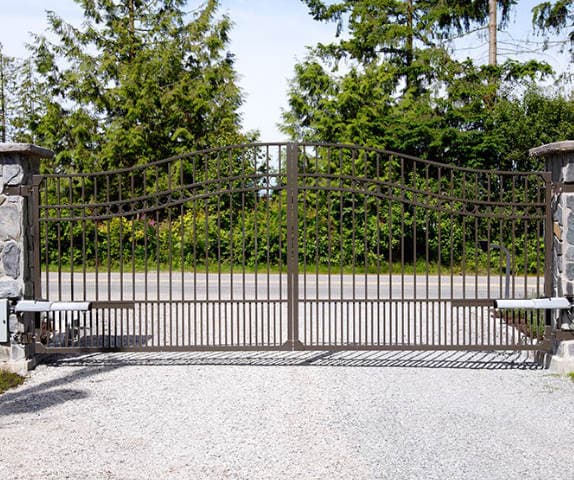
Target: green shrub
(9, 380)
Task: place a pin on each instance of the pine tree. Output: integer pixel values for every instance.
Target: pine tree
(390, 80)
(554, 17)
(7, 82)
(136, 82)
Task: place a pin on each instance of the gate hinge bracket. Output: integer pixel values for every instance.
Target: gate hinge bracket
(21, 190)
(26, 338)
(561, 187)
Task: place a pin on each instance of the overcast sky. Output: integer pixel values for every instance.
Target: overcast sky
(269, 36)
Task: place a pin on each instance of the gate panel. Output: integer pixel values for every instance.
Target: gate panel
(184, 253)
(292, 246)
(401, 253)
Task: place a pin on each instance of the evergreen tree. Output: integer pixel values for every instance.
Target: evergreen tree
(400, 88)
(7, 84)
(411, 36)
(554, 17)
(136, 82)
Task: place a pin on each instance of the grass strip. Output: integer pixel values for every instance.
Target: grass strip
(9, 380)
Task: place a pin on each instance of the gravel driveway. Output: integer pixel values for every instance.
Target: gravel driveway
(309, 415)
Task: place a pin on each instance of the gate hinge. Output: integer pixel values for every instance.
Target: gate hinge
(21, 190)
(25, 338)
(561, 187)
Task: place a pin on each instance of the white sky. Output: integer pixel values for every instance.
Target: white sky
(269, 36)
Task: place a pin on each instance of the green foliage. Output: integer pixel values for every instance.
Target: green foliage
(553, 16)
(9, 380)
(136, 82)
(403, 91)
(19, 98)
(359, 210)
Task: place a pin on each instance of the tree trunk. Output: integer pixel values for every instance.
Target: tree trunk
(3, 97)
(409, 45)
(492, 32)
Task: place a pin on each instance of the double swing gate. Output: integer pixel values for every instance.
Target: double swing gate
(289, 247)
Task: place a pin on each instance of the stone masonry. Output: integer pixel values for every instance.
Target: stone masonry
(18, 162)
(559, 159)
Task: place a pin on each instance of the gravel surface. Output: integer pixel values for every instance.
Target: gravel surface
(309, 415)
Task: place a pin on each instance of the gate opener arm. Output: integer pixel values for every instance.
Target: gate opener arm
(553, 303)
(45, 306)
(21, 306)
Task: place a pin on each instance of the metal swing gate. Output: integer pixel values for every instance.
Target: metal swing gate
(291, 246)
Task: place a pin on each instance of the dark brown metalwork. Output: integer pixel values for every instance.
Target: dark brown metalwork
(292, 246)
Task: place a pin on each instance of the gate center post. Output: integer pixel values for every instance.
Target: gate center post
(292, 189)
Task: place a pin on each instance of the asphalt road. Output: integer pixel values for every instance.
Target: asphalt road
(152, 286)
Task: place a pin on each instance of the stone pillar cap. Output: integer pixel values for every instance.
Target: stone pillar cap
(552, 148)
(27, 149)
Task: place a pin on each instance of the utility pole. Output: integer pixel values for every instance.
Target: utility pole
(492, 32)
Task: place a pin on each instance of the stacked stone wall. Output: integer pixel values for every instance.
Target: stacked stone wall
(18, 164)
(559, 159)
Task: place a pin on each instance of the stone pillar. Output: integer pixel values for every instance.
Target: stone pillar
(18, 162)
(559, 159)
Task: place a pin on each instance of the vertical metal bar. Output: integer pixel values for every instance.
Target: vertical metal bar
(35, 220)
(134, 225)
(121, 239)
(366, 200)
(182, 257)
(464, 250)
(244, 173)
(414, 204)
(281, 166)
(207, 246)
(144, 319)
(353, 246)
(158, 267)
(390, 181)
(403, 200)
(377, 201)
(268, 233)
(83, 223)
(292, 248)
(329, 245)
(59, 233)
(46, 225)
(427, 318)
(439, 236)
(304, 179)
(255, 246)
(71, 247)
(315, 325)
(170, 315)
(341, 249)
(526, 241)
(540, 227)
(514, 216)
(96, 265)
(231, 253)
(34, 254)
(219, 299)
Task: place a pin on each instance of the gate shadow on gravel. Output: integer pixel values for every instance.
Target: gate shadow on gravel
(411, 359)
(32, 399)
